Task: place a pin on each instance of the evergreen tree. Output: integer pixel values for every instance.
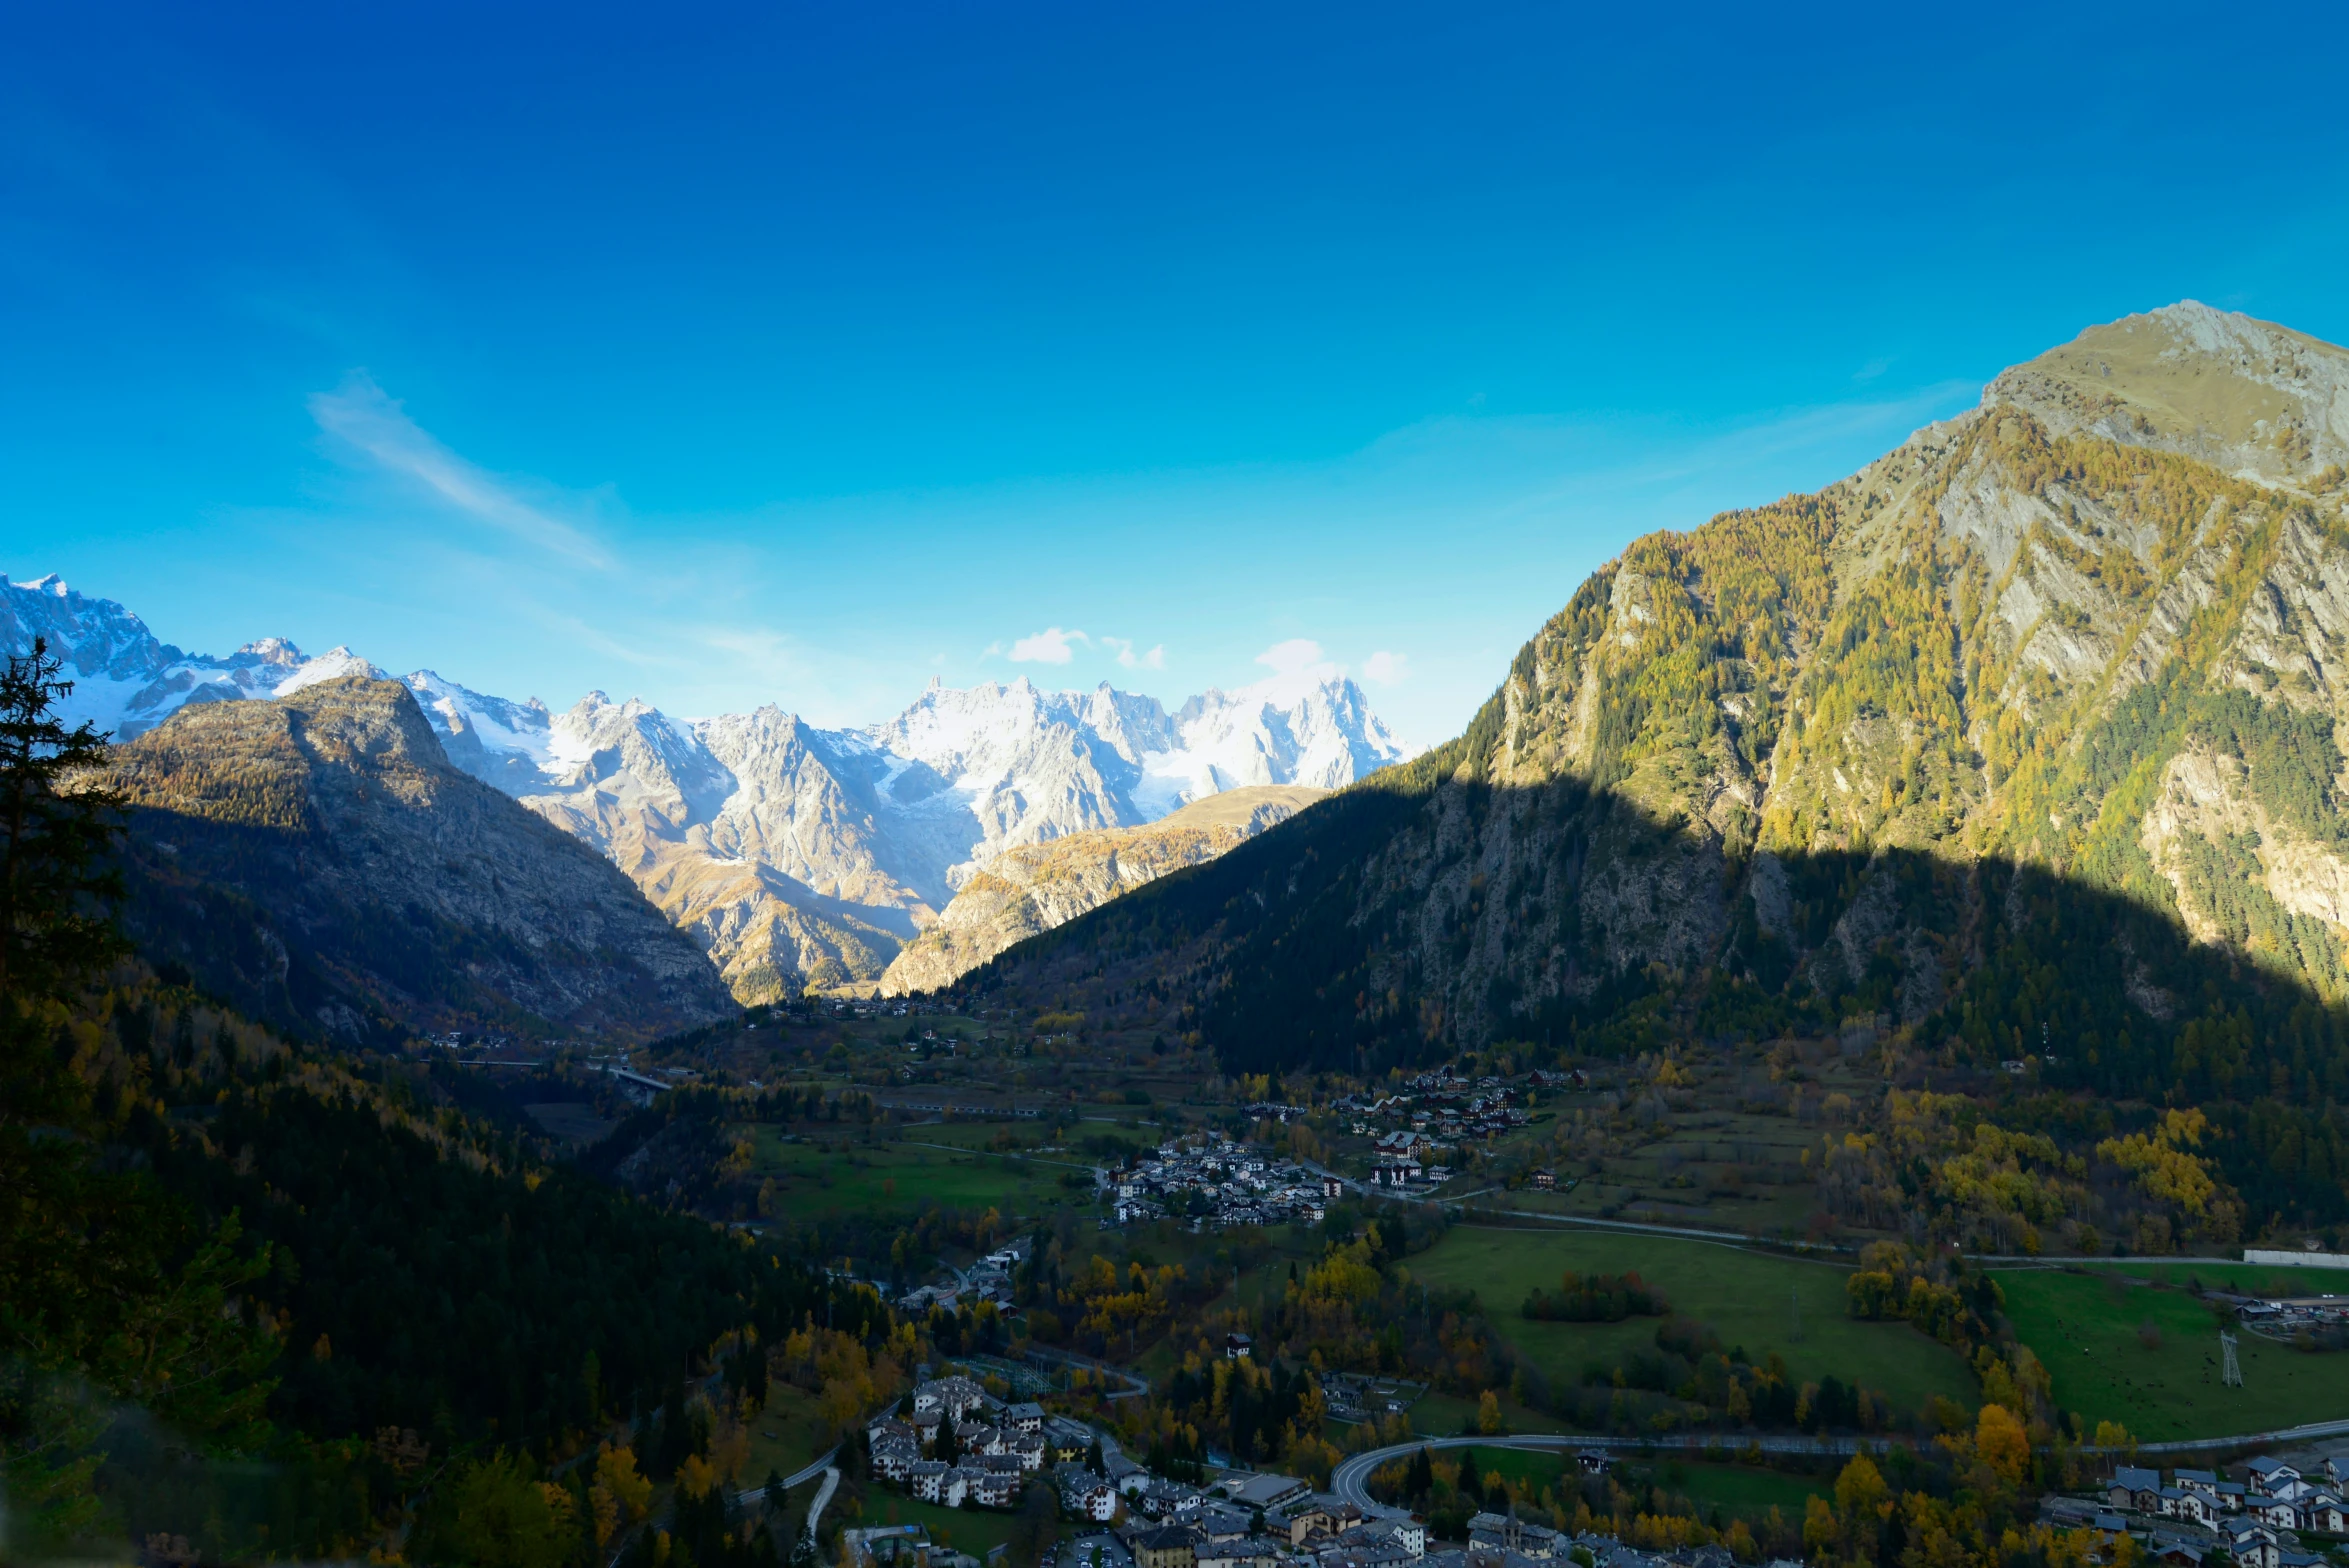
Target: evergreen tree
(102, 1280)
(58, 826)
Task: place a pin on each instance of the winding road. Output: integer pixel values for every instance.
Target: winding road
(820, 1465)
(815, 1509)
(1351, 1479)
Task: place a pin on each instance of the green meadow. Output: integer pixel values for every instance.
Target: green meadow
(1763, 1301)
(907, 1176)
(972, 1530)
(2086, 1328)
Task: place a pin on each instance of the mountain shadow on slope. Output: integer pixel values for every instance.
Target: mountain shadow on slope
(316, 861)
(1287, 962)
(2022, 742)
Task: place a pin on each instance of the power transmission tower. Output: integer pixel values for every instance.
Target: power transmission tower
(2230, 1370)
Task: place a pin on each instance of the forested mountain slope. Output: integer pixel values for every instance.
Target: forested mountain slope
(2022, 740)
(262, 1301)
(278, 1292)
(317, 860)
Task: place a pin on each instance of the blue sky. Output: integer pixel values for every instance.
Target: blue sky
(793, 354)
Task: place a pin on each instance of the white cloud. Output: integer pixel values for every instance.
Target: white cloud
(1049, 646)
(1291, 657)
(1387, 669)
(1127, 658)
(362, 415)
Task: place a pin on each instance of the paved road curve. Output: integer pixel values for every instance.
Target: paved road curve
(1351, 1479)
(815, 1509)
(816, 1467)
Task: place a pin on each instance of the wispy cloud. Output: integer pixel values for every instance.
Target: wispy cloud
(1049, 646)
(1387, 669)
(1292, 657)
(1127, 658)
(373, 425)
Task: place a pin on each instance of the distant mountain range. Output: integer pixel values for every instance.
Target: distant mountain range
(795, 855)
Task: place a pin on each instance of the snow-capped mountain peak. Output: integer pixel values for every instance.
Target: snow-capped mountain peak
(126, 682)
(793, 853)
(270, 650)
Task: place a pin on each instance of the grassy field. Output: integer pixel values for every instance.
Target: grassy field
(1746, 1490)
(1743, 1490)
(785, 1436)
(1712, 1168)
(972, 1530)
(1750, 1299)
(2246, 1279)
(2084, 1327)
(885, 1177)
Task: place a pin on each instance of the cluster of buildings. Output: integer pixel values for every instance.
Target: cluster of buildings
(1144, 1521)
(1433, 1113)
(1256, 1521)
(2199, 1517)
(1216, 1181)
(1353, 1396)
(1398, 1159)
(1308, 1530)
(885, 1007)
(989, 1279)
(2282, 1316)
(960, 1447)
(458, 1039)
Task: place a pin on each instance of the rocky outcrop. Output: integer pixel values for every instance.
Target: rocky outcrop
(319, 861)
(1034, 888)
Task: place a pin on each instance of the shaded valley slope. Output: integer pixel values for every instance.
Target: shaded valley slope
(2018, 746)
(317, 861)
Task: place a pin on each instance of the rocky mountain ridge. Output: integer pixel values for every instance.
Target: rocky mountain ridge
(317, 860)
(126, 681)
(795, 855)
(1034, 887)
(2019, 730)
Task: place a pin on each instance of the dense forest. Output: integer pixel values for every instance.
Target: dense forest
(259, 1298)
